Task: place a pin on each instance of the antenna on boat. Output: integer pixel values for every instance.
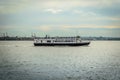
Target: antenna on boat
(34, 35)
(76, 33)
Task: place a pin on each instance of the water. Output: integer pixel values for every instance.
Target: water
(20, 60)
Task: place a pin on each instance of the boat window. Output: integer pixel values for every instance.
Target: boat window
(49, 41)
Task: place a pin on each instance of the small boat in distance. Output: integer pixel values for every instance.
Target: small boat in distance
(60, 41)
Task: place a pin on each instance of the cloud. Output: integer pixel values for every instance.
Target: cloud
(88, 26)
(76, 3)
(12, 6)
(84, 13)
(63, 30)
(54, 11)
(44, 28)
(68, 4)
(73, 27)
(75, 14)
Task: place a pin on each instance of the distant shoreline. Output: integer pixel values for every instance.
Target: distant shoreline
(83, 38)
(32, 40)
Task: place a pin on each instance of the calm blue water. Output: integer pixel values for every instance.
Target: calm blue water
(20, 60)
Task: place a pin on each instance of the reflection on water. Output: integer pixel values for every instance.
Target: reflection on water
(20, 60)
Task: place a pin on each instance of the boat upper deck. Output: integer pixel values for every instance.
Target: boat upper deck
(57, 40)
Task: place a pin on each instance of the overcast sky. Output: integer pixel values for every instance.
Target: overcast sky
(60, 17)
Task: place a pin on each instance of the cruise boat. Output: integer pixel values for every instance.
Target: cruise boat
(60, 41)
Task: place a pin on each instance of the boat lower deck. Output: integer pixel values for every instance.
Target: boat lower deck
(62, 44)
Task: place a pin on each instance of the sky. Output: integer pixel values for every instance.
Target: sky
(60, 17)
